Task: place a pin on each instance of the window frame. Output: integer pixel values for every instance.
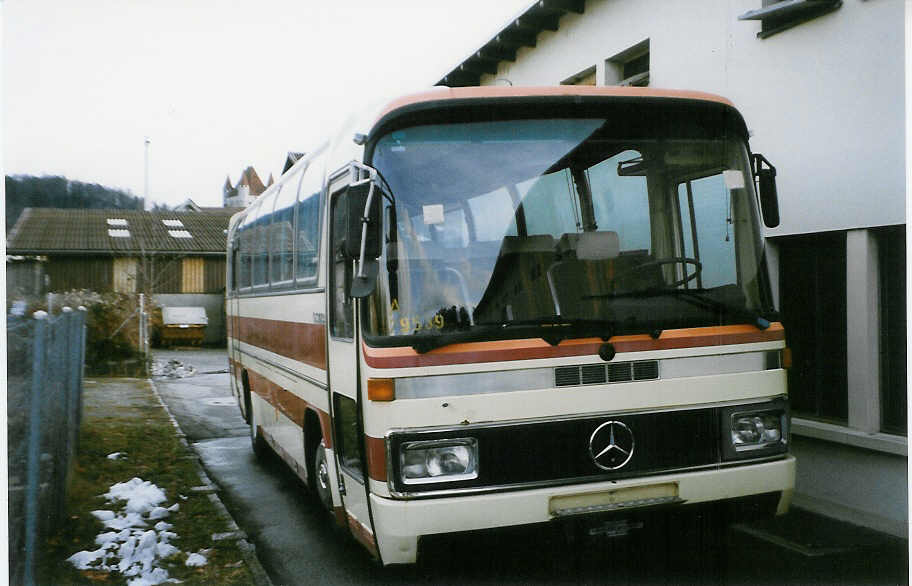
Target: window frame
(294, 182)
(615, 67)
(777, 16)
(315, 165)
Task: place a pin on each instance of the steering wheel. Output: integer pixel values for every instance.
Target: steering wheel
(665, 261)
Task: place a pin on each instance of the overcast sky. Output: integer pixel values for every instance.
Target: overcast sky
(216, 85)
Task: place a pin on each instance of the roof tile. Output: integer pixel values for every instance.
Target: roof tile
(51, 230)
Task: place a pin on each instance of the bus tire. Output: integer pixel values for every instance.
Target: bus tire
(322, 478)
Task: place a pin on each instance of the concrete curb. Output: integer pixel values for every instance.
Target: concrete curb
(248, 549)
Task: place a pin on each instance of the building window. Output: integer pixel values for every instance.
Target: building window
(584, 77)
(812, 280)
(629, 67)
(779, 15)
(891, 252)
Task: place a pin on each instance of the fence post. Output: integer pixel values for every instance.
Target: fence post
(33, 465)
(83, 328)
(75, 354)
(67, 371)
(143, 332)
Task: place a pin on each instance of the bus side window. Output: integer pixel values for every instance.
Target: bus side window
(281, 234)
(341, 314)
(245, 245)
(345, 416)
(261, 241)
(234, 263)
(307, 227)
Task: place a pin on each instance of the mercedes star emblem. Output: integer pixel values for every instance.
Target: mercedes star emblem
(611, 445)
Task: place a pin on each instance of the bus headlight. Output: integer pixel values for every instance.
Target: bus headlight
(755, 430)
(438, 460)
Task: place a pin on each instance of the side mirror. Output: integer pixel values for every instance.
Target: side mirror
(362, 228)
(766, 189)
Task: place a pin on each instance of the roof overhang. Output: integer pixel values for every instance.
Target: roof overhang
(521, 31)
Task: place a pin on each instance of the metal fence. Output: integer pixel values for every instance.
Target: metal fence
(45, 357)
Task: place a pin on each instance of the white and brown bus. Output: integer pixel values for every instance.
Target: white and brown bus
(487, 307)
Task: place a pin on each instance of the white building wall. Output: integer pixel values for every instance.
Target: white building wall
(825, 99)
(825, 104)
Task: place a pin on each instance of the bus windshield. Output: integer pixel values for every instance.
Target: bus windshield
(562, 228)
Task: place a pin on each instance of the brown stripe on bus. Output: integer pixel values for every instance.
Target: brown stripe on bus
(534, 348)
(339, 514)
(292, 406)
(363, 535)
(299, 341)
(376, 457)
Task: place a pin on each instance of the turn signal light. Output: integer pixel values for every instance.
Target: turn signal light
(381, 389)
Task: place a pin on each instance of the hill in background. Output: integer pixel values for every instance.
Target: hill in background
(27, 191)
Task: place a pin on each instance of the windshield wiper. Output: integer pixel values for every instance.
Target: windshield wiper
(700, 298)
(556, 329)
(561, 328)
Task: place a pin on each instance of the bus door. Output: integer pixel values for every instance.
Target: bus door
(343, 376)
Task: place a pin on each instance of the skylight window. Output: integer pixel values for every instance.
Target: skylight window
(118, 233)
(180, 234)
(116, 222)
(173, 223)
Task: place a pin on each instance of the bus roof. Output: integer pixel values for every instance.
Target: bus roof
(482, 92)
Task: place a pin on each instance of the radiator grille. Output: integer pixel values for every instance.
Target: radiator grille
(593, 374)
(596, 374)
(567, 376)
(557, 451)
(646, 370)
(619, 373)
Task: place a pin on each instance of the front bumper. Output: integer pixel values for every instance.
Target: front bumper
(400, 523)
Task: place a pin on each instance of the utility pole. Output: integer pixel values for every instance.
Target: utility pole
(146, 142)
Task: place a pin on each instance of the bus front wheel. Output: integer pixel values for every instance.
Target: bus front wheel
(321, 468)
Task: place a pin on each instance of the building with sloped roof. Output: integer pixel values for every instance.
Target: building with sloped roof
(248, 188)
(178, 257)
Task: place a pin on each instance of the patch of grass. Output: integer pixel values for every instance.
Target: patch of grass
(153, 453)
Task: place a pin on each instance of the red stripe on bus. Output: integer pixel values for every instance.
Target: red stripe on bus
(299, 341)
(376, 457)
(363, 535)
(291, 405)
(534, 348)
(339, 514)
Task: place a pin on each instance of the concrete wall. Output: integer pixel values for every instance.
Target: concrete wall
(862, 488)
(215, 311)
(825, 100)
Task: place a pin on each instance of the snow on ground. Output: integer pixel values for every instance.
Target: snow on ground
(128, 546)
(196, 560)
(172, 369)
